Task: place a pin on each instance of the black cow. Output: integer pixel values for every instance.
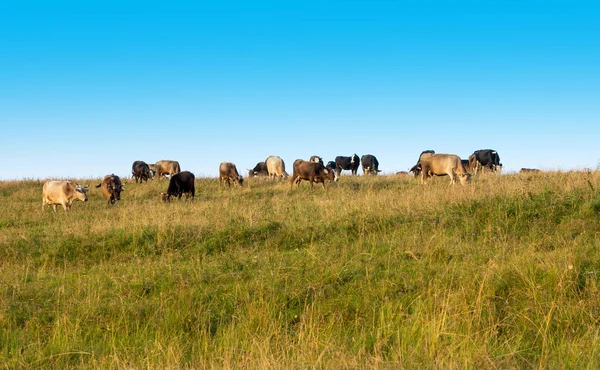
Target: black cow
(370, 164)
(346, 163)
(311, 172)
(259, 170)
(485, 158)
(416, 169)
(111, 188)
(141, 171)
(180, 183)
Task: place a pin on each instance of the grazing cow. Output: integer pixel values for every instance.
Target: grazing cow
(180, 183)
(275, 167)
(312, 172)
(331, 166)
(111, 188)
(370, 164)
(166, 167)
(259, 170)
(141, 171)
(228, 172)
(441, 165)
(346, 163)
(529, 171)
(485, 158)
(316, 159)
(416, 169)
(63, 193)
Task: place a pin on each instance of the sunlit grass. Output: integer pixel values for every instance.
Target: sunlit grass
(370, 272)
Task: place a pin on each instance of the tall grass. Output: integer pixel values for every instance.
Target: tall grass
(372, 272)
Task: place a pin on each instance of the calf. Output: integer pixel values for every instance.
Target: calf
(228, 173)
(311, 172)
(111, 188)
(62, 193)
(180, 183)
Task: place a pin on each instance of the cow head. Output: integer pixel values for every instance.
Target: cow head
(354, 158)
(165, 197)
(81, 192)
(329, 174)
(464, 178)
(239, 181)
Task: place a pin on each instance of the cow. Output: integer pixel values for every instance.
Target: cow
(346, 163)
(370, 164)
(316, 159)
(529, 171)
(166, 167)
(141, 171)
(180, 183)
(275, 167)
(485, 158)
(228, 172)
(63, 193)
(441, 165)
(259, 170)
(416, 169)
(331, 166)
(312, 172)
(111, 188)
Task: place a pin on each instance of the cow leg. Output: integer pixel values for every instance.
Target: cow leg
(55, 207)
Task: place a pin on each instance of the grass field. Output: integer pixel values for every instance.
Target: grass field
(377, 272)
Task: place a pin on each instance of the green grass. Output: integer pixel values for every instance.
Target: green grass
(372, 272)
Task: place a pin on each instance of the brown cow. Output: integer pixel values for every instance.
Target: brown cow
(529, 171)
(63, 193)
(311, 172)
(111, 188)
(441, 165)
(228, 172)
(166, 167)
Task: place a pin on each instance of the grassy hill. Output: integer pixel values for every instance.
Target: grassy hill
(372, 272)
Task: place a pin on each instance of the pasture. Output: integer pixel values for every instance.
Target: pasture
(374, 272)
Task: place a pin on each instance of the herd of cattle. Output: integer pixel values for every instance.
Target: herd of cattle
(314, 170)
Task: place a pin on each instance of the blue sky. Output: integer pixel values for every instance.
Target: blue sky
(86, 88)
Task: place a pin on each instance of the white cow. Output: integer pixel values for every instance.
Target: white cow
(63, 193)
(275, 167)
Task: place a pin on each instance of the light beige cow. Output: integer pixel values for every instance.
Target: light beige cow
(62, 193)
(442, 165)
(166, 167)
(275, 167)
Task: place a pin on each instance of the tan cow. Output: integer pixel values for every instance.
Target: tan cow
(62, 193)
(228, 172)
(166, 167)
(442, 165)
(275, 167)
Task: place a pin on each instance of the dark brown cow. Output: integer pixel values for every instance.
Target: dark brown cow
(180, 183)
(111, 188)
(141, 171)
(228, 173)
(311, 172)
(259, 170)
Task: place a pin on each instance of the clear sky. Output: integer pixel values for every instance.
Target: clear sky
(88, 87)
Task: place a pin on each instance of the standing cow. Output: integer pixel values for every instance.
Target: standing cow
(312, 172)
(346, 163)
(416, 169)
(62, 193)
(141, 171)
(180, 183)
(442, 165)
(228, 173)
(275, 167)
(485, 158)
(111, 188)
(370, 164)
(166, 167)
